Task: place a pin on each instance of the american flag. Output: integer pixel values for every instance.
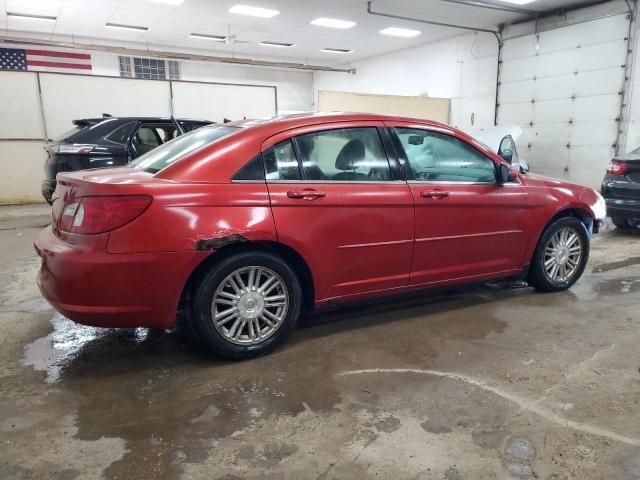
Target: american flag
(44, 60)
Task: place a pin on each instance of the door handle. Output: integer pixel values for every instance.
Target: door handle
(434, 194)
(306, 194)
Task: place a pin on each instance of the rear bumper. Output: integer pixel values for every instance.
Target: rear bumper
(623, 207)
(89, 286)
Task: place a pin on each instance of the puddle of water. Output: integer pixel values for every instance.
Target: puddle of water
(617, 286)
(53, 353)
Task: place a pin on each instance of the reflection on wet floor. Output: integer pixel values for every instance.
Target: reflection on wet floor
(51, 354)
(80, 346)
(175, 408)
(68, 343)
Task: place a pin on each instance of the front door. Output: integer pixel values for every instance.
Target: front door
(468, 226)
(338, 201)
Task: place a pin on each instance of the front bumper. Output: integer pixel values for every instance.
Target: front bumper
(90, 286)
(623, 207)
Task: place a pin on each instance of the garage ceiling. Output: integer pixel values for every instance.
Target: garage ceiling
(170, 25)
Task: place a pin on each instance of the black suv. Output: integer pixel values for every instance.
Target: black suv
(108, 142)
(621, 190)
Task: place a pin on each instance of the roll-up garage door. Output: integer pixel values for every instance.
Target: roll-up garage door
(564, 86)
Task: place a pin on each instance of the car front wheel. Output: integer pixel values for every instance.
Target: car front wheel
(561, 255)
(246, 305)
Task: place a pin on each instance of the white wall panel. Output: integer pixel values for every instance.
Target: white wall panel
(217, 101)
(462, 68)
(20, 106)
(21, 164)
(563, 86)
(69, 97)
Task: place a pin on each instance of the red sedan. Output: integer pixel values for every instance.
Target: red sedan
(246, 225)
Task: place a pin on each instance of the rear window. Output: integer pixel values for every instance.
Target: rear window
(70, 133)
(121, 134)
(169, 153)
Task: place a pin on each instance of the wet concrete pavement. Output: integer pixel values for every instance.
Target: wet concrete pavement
(486, 382)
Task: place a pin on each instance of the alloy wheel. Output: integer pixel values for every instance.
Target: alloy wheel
(249, 305)
(562, 255)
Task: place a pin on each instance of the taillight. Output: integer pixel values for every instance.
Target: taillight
(617, 168)
(100, 214)
(72, 148)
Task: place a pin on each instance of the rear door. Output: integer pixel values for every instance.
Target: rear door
(467, 225)
(338, 200)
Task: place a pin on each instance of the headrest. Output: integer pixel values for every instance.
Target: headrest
(350, 155)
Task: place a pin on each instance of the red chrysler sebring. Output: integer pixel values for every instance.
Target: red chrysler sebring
(245, 225)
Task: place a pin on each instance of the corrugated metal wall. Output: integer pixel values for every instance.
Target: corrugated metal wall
(564, 87)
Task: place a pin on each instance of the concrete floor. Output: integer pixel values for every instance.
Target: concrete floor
(485, 382)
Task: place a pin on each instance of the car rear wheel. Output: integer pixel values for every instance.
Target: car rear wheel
(626, 223)
(561, 255)
(246, 305)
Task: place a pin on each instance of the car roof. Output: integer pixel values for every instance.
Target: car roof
(146, 119)
(285, 122)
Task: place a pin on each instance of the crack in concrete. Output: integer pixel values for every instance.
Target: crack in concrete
(524, 403)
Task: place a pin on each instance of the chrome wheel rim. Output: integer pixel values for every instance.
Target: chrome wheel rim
(562, 255)
(633, 222)
(249, 305)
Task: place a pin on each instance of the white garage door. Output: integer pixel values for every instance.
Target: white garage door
(563, 86)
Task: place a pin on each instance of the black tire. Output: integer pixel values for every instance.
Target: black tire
(537, 276)
(624, 223)
(200, 317)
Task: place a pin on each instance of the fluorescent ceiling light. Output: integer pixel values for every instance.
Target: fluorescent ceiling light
(518, 2)
(170, 2)
(28, 16)
(400, 32)
(253, 11)
(126, 27)
(333, 23)
(336, 50)
(215, 38)
(277, 44)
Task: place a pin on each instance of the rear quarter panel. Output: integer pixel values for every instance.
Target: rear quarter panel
(187, 216)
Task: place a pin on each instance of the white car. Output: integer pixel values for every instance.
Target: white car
(502, 140)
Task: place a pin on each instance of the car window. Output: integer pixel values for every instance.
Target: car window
(69, 133)
(438, 157)
(344, 155)
(178, 148)
(281, 163)
(253, 170)
(148, 136)
(121, 134)
(189, 126)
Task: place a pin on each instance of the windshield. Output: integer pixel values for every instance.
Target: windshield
(170, 152)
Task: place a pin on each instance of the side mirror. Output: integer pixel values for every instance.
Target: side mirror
(506, 149)
(507, 156)
(504, 174)
(416, 140)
